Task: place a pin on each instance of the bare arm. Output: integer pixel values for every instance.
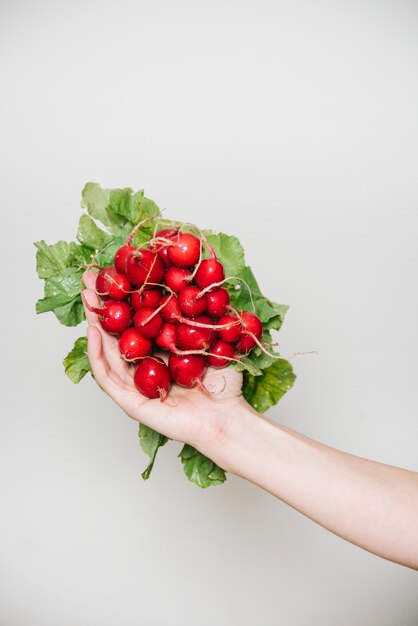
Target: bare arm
(370, 504)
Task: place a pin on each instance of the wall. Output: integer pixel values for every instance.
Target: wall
(293, 126)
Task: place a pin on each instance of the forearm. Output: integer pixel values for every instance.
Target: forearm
(370, 504)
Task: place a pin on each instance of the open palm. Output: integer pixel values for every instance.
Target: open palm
(188, 415)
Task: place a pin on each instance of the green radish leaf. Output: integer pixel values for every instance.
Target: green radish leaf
(122, 202)
(76, 363)
(247, 364)
(199, 469)
(72, 313)
(91, 235)
(62, 296)
(259, 358)
(51, 259)
(119, 210)
(217, 476)
(275, 322)
(147, 208)
(150, 441)
(96, 200)
(270, 313)
(228, 250)
(106, 256)
(187, 452)
(135, 207)
(79, 255)
(65, 284)
(265, 390)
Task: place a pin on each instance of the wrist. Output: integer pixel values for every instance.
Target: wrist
(234, 444)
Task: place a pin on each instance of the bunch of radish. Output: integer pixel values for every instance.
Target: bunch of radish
(166, 296)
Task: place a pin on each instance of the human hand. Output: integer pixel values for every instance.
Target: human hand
(188, 415)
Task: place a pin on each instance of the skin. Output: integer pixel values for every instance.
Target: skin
(370, 504)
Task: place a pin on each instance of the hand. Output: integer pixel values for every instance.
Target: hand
(188, 415)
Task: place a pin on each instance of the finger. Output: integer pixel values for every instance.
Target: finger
(91, 301)
(90, 296)
(110, 343)
(99, 364)
(89, 279)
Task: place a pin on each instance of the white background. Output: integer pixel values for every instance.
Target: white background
(294, 126)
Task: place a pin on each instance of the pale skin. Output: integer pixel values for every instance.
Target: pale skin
(370, 504)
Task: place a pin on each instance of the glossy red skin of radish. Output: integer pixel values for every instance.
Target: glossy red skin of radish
(187, 369)
(133, 345)
(186, 250)
(161, 248)
(121, 256)
(152, 378)
(189, 303)
(251, 323)
(171, 311)
(115, 316)
(149, 329)
(176, 278)
(121, 287)
(112, 284)
(217, 301)
(147, 297)
(102, 283)
(232, 333)
(194, 338)
(166, 339)
(222, 349)
(209, 271)
(144, 265)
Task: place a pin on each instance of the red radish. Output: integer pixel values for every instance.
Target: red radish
(123, 252)
(167, 337)
(224, 351)
(231, 333)
(146, 297)
(161, 247)
(102, 284)
(121, 256)
(144, 266)
(189, 303)
(187, 370)
(152, 378)
(149, 328)
(209, 271)
(170, 309)
(186, 250)
(177, 277)
(195, 338)
(217, 301)
(132, 345)
(110, 283)
(251, 328)
(115, 316)
(119, 287)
